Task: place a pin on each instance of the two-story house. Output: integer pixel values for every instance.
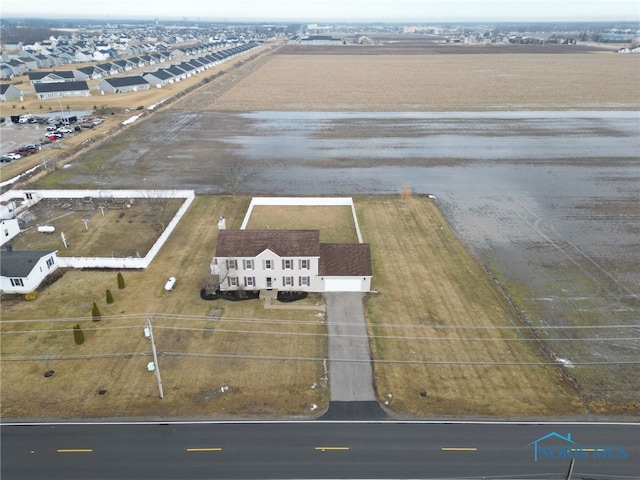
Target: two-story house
(289, 260)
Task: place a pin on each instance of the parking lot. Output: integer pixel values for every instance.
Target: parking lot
(13, 136)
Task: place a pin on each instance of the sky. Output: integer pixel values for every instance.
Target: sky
(331, 10)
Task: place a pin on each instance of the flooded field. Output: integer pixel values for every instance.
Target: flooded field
(548, 201)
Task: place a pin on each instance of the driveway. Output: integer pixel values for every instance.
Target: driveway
(350, 372)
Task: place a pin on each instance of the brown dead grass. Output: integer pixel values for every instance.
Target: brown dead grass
(120, 232)
(428, 288)
(425, 280)
(335, 223)
(399, 82)
(195, 361)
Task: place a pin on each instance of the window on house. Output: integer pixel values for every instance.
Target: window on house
(287, 281)
(268, 264)
(249, 281)
(287, 264)
(232, 264)
(50, 262)
(232, 281)
(6, 232)
(248, 264)
(17, 282)
(304, 281)
(304, 264)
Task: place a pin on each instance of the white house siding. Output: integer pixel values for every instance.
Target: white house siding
(8, 229)
(277, 273)
(33, 280)
(67, 94)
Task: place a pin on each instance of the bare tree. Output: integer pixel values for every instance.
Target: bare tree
(238, 172)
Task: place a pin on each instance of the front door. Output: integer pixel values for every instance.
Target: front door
(269, 282)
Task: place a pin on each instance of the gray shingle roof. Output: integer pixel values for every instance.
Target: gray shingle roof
(61, 87)
(19, 264)
(126, 81)
(345, 260)
(285, 243)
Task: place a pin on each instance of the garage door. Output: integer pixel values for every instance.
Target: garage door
(342, 285)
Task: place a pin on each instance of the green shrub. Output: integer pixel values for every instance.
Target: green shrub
(78, 335)
(120, 281)
(95, 311)
(109, 296)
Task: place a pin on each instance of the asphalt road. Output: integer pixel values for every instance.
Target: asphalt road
(317, 450)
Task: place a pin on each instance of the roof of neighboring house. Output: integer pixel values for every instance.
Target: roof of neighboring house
(161, 74)
(5, 86)
(126, 81)
(20, 263)
(285, 243)
(61, 86)
(54, 73)
(345, 260)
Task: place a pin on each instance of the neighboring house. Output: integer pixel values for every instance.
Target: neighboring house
(62, 90)
(291, 260)
(9, 92)
(9, 228)
(123, 85)
(24, 271)
(159, 78)
(51, 77)
(88, 73)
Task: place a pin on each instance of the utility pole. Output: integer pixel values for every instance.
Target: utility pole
(148, 331)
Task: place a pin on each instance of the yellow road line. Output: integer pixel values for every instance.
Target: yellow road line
(459, 449)
(212, 449)
(324, 449)
(76, 450)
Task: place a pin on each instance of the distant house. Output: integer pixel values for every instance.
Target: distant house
(51, 77)
(62, 90)
(123, 84)
(159, 78)
(9, 92)
(24, 271)
(291, 260)
(88, 73)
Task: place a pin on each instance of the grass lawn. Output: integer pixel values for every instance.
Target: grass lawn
(427, 284)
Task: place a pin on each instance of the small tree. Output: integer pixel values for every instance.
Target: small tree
(95, 312)
(78, 335)
(109, 296)
(120, 281)
(406, 191)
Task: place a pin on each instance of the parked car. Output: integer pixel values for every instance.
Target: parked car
(65, 130)
(5, 158)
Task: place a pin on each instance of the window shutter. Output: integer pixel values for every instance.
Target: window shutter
(283, 281)
(227, 263)
(245, 281)
(254, 281)
(283, 263)
(264, 264)
(308, 281)
(299, 264)
(308, 264)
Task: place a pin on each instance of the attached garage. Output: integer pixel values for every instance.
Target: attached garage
(344, 285)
